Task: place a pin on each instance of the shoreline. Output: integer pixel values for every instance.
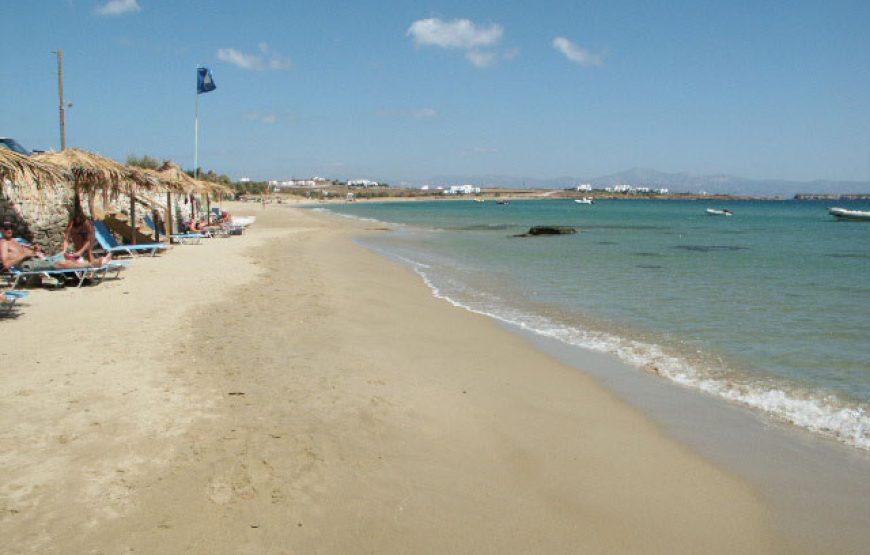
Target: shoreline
(316, 397)
(815, 482)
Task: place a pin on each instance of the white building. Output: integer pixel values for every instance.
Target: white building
(583, 187)
(462, 190)
(291, 183)
(362, 183)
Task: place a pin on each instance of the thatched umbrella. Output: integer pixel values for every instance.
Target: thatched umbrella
(93, 172)
(184, 182)
(25, 171)
(173, 180)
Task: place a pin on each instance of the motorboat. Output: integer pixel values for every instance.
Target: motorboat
(845, 214)
(585, 200)
(719, 212)
(502, 202)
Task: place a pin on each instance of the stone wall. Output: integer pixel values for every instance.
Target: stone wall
(40, 217)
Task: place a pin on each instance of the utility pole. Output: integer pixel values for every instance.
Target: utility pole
(60, 95)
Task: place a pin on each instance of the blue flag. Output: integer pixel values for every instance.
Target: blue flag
(204, 80)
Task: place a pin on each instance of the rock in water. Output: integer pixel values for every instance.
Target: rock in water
(548, 230)
(551, 230)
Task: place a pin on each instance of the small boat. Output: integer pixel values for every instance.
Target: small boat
(845, 214)
(585, 200)
(719, 212)
(502, 202)
(478, 200)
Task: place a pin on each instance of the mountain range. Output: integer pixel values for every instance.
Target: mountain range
(675, 182)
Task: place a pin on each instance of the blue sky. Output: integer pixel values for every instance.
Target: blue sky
(403, 91)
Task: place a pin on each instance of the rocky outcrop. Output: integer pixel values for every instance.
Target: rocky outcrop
(548, 230)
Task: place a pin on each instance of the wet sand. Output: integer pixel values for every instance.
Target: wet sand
(290, 392)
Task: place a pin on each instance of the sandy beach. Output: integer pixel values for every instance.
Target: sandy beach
(290, 392)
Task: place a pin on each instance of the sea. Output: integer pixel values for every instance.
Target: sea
(768, 308)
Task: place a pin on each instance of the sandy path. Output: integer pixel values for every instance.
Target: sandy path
(318, 399)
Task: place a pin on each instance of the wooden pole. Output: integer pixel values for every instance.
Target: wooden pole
(133, 217)
(60, 95)
(168, 223)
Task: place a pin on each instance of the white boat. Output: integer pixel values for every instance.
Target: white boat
(719, 212)
(845, 214)
(585, 200)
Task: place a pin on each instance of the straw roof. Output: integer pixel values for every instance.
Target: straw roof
(174, 178)
(219, 188)
(26, 171)
(91, 171)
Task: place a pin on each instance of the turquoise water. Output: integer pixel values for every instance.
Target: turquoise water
(767, 308)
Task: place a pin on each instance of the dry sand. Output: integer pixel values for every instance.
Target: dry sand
(289, 392)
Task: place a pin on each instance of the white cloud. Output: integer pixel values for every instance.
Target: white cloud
(480, 58)
(118, 7)
(268, 60)
(424, 113)
(576, 53)
(420, 113)
(268, 119)
(459, 33)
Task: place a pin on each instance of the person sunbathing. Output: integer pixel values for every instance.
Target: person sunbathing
(30, 258)
(197, 226)
(81, 236)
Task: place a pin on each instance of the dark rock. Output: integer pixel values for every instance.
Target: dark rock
(548, 230)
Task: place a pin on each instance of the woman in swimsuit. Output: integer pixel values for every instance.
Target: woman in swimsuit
(80, 234)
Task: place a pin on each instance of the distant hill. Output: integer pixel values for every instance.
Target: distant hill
(676, 182)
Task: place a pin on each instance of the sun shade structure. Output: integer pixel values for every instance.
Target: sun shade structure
(176, 180)
(25, 171)
(93, 172)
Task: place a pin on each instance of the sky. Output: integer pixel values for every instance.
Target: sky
(405, 91)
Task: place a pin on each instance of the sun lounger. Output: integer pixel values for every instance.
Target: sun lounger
(77, 275)
(109, 244)
(11, 297)
(180, 238)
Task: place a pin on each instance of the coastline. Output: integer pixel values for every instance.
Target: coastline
(316, 397)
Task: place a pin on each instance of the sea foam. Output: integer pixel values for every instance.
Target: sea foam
(828, 416)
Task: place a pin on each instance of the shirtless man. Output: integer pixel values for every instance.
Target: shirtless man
(32, 259)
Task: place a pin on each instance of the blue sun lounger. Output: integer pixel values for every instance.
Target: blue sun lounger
(109, 244)
(180, 238)
(16, 274)
(11, 297)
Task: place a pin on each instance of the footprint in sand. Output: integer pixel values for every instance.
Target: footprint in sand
(220, 492)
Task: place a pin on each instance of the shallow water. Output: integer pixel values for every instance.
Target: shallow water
(767, 308)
